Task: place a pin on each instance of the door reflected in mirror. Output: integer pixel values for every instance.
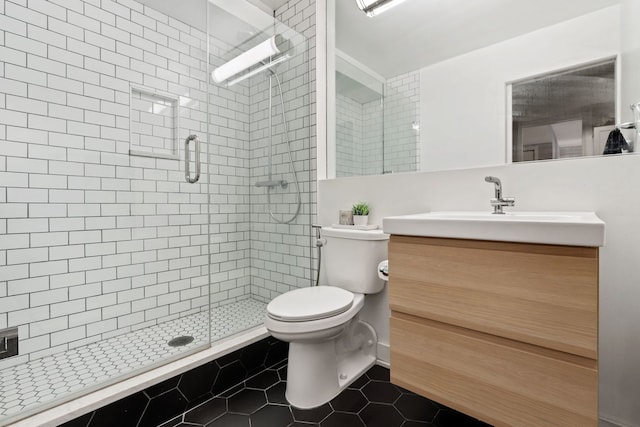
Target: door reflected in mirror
(563, 114)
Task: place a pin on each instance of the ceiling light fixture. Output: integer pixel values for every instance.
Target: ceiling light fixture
(376, 7)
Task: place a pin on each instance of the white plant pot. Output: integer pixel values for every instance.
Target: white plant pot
(360, 220)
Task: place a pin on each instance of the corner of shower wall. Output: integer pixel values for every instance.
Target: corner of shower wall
(281, 256)
(380, 136)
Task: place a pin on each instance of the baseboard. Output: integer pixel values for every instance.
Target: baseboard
(384, 354)
(608, 422)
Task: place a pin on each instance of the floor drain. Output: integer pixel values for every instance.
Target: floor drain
(180, 341)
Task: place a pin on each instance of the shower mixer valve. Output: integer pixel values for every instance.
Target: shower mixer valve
(273, 183)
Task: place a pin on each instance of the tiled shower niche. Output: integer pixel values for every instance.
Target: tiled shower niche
(154, 123)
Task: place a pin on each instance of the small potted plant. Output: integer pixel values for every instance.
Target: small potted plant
(360, 214)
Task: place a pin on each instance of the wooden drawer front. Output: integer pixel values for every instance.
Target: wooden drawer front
(543, 295)
(488, 378)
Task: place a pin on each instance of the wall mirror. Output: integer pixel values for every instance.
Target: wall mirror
(431, 85)
(563, 114)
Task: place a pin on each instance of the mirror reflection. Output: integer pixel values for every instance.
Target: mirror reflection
(439, 85)
(372, 113)
(565, 114)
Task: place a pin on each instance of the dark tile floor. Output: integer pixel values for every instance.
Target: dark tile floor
(371, 401)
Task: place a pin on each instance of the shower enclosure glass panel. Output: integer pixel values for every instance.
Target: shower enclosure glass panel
(255, 256)
(104, 254)
(111, 262)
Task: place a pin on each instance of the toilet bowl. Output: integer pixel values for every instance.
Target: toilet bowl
(329, 346)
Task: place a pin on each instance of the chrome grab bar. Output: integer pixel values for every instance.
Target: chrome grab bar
(187, 160)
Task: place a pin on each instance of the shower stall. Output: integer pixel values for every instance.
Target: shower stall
(155, 184)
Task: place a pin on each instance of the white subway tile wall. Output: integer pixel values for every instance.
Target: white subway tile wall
(349, 137)
(281, 254)
(359, 142)
(373, 144)
(95, 243)
(401, 115)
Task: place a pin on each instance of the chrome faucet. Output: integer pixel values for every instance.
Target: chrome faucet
(498, 202)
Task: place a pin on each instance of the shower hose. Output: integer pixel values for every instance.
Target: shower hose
(293, 170)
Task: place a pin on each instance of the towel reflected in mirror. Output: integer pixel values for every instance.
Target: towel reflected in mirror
(616, 143)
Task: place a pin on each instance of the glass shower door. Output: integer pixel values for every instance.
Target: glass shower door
(260, 162)
(104, 255)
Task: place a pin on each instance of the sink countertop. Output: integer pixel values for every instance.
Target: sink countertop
(554, 228)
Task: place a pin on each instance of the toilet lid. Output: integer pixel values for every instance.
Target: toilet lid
(314, 303)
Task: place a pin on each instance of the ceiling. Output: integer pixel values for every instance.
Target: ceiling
(272, 4)
(418, 33)
(231, 21)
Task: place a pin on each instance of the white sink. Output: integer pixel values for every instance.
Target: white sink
(554, 228)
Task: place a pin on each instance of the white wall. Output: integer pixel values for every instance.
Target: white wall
(463, 100)
(609, 186)
(630, 60)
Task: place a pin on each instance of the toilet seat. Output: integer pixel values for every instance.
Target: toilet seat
(307, 304)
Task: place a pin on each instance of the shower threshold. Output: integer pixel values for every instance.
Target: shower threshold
(46, 382)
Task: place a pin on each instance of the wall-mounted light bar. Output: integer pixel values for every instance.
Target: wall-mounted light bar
(376, 7)
(258, 69)
(267, 49)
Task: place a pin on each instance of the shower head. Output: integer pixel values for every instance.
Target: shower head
(270, 49)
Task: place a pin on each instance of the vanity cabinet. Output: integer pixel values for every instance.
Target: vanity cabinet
(505, 332)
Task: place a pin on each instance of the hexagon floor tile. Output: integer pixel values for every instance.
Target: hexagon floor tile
(29, 385)
(370, 401)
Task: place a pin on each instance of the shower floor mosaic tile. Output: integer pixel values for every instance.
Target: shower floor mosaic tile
(43, 380)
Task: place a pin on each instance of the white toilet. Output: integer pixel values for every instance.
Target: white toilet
(329, 346)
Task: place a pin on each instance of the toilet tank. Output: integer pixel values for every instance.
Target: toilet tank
(351, 258)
